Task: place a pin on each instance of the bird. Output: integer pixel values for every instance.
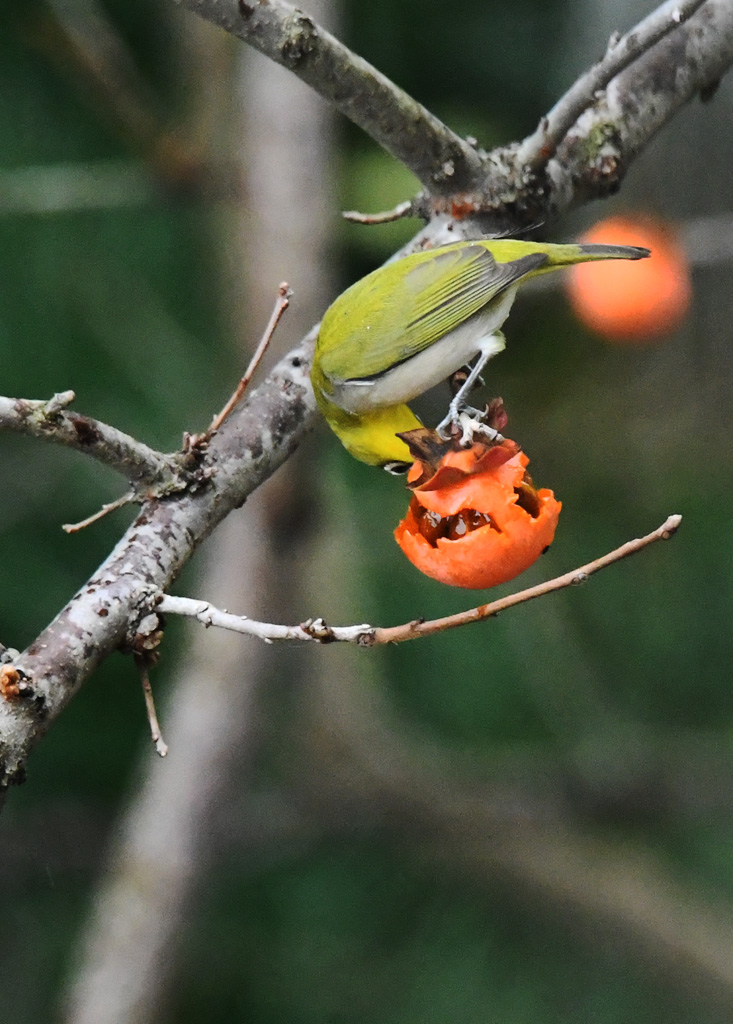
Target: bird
(414, 322)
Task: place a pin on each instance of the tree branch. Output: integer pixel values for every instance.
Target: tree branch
(404, 209)
(313, 630)
(616, 109)
(412, 630)
(141, 465)
(368, 636)
(593, 158)
(521, 187)
(256, 439)
(441, 160)
(539, 147)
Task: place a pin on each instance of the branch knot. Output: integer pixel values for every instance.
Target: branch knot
(300, 39)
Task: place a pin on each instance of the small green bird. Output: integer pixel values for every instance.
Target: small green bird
(412, 323)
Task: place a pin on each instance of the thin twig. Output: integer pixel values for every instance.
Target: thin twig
(413, 630)
(141, 465)
(312, 629)
(161, 747)
(404, 209)
(281, 304)
(538, 148)
(55, 404)
(126, 499)
(368, 636)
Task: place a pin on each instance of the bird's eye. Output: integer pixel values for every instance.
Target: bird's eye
(396, 468)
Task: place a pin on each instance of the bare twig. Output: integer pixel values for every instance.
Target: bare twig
(141, 465)
(61, 400)
(412, 630)
(405, 209)
(538, 148)
(281, 304)
(161, 746)
(441, 160)
(368, 636)
(111, 506)
(312, 629)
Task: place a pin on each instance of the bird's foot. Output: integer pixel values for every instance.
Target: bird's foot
(462, 416)
(470, 425)
(469, 422)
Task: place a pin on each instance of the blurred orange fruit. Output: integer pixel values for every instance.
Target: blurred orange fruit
(632, 302)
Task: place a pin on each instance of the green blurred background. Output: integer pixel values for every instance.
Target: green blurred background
(525, 821)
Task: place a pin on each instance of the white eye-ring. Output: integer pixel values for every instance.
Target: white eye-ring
(396, 468)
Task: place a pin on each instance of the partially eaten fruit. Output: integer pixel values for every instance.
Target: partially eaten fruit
(475, 518)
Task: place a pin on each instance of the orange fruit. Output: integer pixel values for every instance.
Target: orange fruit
(479, 521)
(636, 301)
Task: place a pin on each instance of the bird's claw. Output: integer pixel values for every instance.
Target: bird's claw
(471, 425)
(469, 421)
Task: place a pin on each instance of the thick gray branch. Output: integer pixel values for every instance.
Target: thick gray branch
(441, 160)
(595, 130)
(539, 147)
(257, 438)
(617, 123)
(595, 155)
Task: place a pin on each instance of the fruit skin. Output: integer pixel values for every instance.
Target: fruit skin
(490, 554)
(640, 306)
(413, 322)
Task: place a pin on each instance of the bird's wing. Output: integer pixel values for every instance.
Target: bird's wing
(430, 299)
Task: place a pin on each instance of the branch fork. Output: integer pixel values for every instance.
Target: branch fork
(511, 187)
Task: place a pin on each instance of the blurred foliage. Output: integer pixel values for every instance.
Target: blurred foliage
(354, 935)
(625, 675)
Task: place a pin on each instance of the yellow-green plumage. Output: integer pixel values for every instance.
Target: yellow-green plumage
(411, 323)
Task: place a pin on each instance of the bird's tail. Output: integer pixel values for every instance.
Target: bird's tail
(595, 251)
(564, 254)
(570, 253)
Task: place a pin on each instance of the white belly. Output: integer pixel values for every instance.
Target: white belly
(432, 365)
